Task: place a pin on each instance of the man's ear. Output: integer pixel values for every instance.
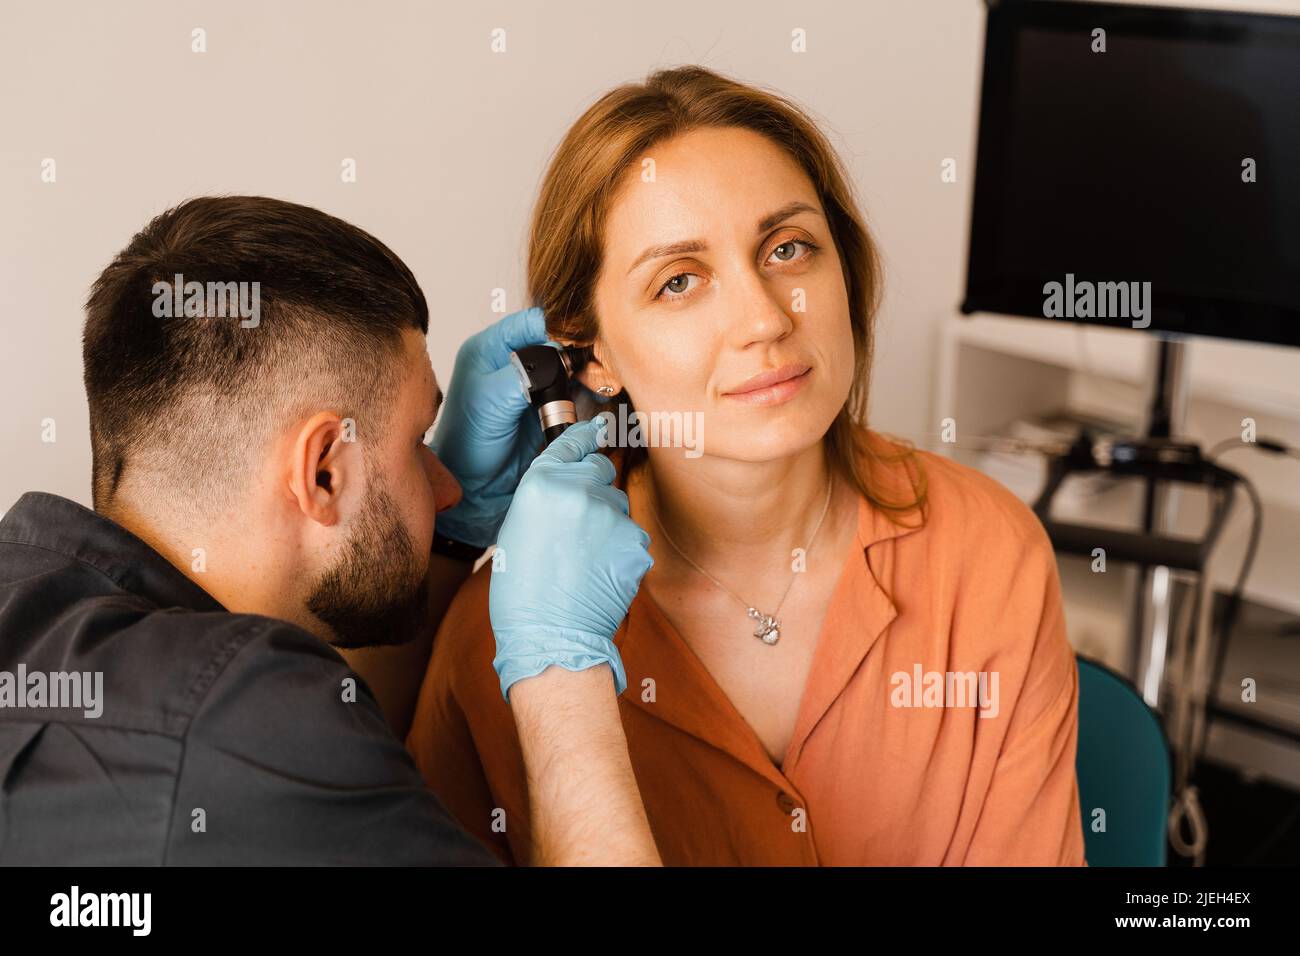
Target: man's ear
(320, 467)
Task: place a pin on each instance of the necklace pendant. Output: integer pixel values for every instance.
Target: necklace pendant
(769, 628)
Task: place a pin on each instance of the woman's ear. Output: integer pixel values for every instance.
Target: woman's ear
(598, 374)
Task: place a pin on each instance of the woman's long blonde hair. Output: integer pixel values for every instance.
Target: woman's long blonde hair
(566, 241)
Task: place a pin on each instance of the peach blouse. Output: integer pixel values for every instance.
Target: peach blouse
(937, 725)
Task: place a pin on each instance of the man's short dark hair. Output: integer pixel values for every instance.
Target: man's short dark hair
(191, 398)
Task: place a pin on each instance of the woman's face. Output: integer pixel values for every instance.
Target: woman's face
(719, 269)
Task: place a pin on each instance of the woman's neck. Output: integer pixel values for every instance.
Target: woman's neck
(727, 514)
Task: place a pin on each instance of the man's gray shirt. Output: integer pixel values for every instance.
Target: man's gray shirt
(221, 738)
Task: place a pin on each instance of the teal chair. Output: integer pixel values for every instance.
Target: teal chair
(1123, 767)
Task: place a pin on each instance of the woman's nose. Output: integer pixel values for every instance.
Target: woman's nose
(761, 317)
(446, 489)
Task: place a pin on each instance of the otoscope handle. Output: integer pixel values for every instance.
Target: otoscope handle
(558, 429)
(544, 376)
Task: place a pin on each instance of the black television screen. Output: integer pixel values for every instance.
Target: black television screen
(1145, 176)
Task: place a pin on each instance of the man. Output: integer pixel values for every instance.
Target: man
(259, 393)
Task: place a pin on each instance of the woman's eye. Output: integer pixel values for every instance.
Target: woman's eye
(678, 286)
(788, 251)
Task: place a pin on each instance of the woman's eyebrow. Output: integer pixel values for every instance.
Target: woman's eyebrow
(785, 212)
(696, 245)
(669, 249)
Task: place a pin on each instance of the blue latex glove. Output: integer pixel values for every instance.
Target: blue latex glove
(487, 432)
(573, 561)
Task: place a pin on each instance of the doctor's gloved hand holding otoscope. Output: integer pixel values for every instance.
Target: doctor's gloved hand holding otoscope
(573, 561)
(487, 434)
(570, 560)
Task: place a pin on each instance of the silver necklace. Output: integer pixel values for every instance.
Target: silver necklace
(768, 629)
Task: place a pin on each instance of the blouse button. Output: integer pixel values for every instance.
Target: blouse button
(785, 802)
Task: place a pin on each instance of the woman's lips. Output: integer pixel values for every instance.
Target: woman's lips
(772, 388)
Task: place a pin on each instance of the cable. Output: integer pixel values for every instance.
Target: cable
(1191, 714)
(1186, 803)
(1223, 630)
(1227, 618)
(1187, 806)
(1262, 444)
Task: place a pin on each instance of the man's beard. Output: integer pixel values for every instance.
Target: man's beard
(377, 591)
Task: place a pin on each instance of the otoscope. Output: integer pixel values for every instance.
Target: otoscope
(544, 372)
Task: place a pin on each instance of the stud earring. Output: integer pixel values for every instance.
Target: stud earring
(605, 390)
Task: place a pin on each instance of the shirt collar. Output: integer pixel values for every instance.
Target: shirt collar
(53, 523)
(894, 476)
(687, 697)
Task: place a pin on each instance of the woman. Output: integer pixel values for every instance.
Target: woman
(847, 651)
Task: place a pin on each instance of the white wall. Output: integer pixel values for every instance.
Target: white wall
(450, 142)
